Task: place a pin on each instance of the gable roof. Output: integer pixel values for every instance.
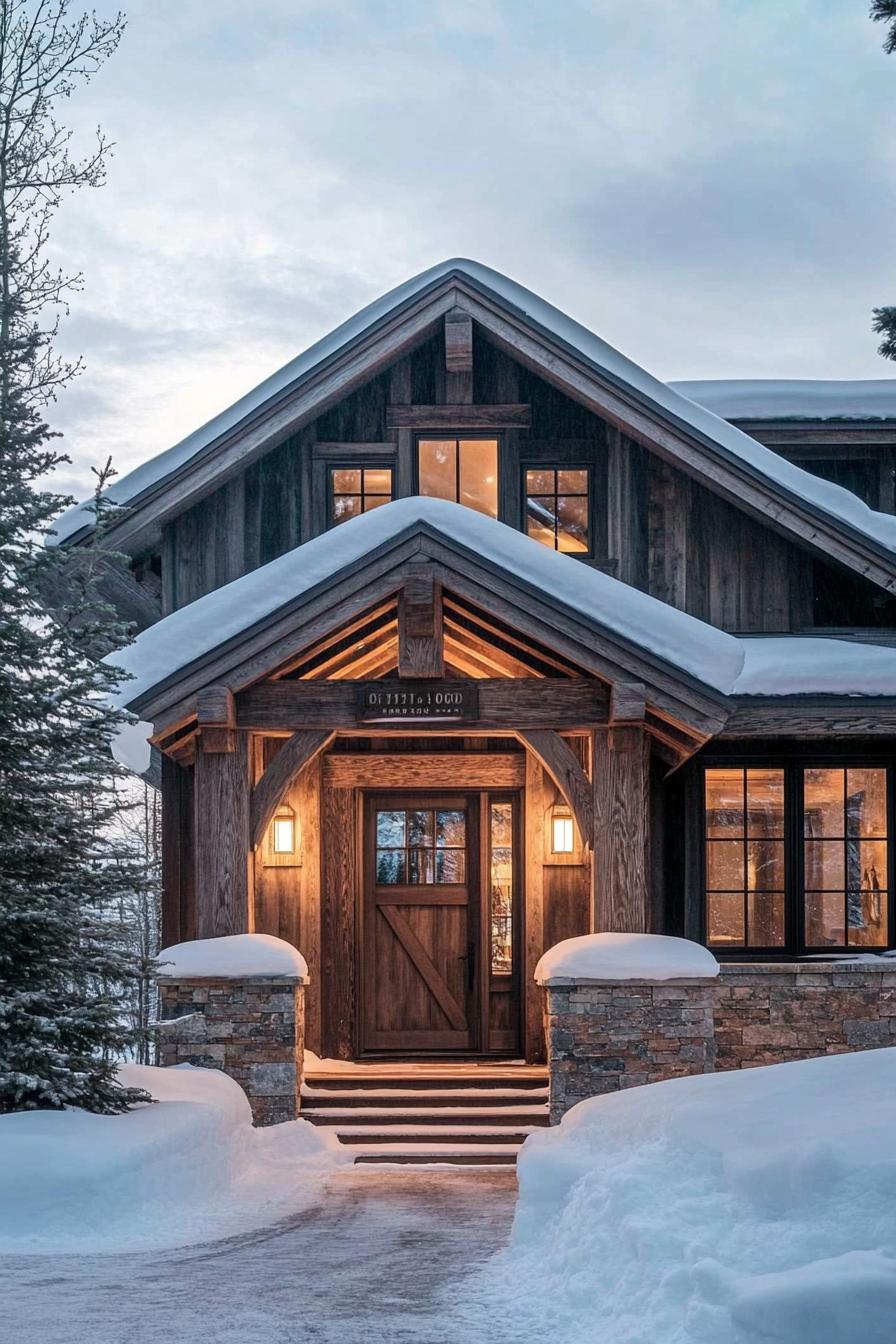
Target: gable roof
(793, 499)
(168, 649)
(799, 399)
(171, 657)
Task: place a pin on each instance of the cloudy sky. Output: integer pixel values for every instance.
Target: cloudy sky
(709, 184)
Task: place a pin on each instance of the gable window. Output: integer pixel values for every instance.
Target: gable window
(356, 490)
(819, 882)
(463, 470)
(558, 508)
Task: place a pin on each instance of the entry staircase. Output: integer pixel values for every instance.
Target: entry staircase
(448, 1115)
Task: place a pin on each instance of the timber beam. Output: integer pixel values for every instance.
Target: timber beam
(294, 756)
(505, 704)
(562, 764)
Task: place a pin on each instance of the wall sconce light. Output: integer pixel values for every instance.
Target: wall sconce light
(283, 830)
(562, 830)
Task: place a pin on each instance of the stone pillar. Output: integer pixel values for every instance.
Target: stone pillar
(253, 1028)
(606, 1035)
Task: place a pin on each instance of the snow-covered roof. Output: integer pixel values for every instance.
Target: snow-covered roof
(794, 398)
(712, 657)
(761, 665)
(608, 363)
(810, 665)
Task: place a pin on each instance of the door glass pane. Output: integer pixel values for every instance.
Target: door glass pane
(451, 828)
(419, 846)
(437, 460)
(420, 828)
(479, 475)
(390, 828)
(501, 883)
(390, 867)
(420, 866)
(451, 865)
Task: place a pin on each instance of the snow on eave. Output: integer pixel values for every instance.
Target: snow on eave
(840, 505)
(798, 399)
(710, 657)
(776, 665)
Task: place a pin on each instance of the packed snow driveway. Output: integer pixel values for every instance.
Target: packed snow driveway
(378, 1260)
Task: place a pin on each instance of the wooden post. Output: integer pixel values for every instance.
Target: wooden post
(621, 857)
(420, 633)
(222, 843)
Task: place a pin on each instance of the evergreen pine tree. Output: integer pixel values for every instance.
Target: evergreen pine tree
(884, 323)
(63, 966)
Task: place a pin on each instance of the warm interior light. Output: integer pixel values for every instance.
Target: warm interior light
(284, 831)
(562, 834)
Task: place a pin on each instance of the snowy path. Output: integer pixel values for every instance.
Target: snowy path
(370, 1264)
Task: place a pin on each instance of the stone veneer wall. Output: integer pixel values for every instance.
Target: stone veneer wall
(772, 1012)
(253, 1029)
(603, 1036)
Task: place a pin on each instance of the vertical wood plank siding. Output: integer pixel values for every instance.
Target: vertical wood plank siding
(222, 848)
(621, 860)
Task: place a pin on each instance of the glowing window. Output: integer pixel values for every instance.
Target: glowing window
(463, 470)
(558, 508)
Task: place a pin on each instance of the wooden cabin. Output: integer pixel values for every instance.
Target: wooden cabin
(462, 635)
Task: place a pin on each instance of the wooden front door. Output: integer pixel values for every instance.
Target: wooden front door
(421, 951)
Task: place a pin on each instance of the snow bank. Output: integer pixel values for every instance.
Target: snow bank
(710, 655)
(607, 362)
(234, 957)
(728, 1208)
(793, 665)
(794, 398)
(189, 1168)
(625, 956)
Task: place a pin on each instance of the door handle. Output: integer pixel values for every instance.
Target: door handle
(469, 957)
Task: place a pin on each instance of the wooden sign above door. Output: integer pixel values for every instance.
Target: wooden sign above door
(421, 700)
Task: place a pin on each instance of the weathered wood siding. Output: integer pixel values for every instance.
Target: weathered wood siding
(653, 526)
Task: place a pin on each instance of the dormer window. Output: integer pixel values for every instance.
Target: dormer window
(463, 470)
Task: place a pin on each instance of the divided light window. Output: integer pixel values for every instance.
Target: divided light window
(822, 882)
(355, 490)
(558, 508)
(463, 470)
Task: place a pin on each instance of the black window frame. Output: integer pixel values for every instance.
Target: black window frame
(361, 464)
(794, 766)
(460, 436)
(557, 464)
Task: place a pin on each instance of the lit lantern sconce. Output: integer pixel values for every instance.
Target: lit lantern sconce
(562, 830)
(284, 835)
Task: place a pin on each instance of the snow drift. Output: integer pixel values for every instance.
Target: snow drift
(189, 1168)
(728, 1208)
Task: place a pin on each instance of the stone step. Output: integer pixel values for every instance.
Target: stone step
(367, 1135)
